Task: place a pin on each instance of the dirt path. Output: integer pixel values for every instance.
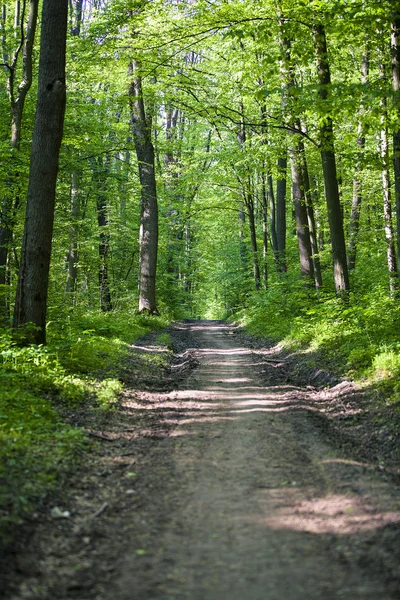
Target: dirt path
(234, 490)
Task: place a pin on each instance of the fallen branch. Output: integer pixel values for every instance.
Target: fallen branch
(99, 511)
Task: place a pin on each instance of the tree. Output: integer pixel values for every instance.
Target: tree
(335, 219)
(148, 240)
(33, 277)
(25, 34)
(395, 47)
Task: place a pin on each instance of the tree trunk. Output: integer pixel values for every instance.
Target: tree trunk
(148, 238)
(10, 204)
(253, 239)
(272, 218)
(265, 231)
(387, 207)
(300, 208)
(73, 254)
(357, 184)
(76, 16)
(32, 288)
(311, 219)
(341, 278)
(100, 177)
(281, 213)
(76, 7)
(395, 44)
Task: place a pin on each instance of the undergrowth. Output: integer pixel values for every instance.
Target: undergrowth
(79, 364)
(357, 337)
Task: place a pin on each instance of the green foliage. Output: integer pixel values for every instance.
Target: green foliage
(357, 338)
(81, 364)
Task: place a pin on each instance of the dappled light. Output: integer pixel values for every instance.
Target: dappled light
(226, 390)
(337, 514)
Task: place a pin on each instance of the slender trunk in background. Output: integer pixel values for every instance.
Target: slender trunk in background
(32, 288)
(272, 218)
(387, 204)
(395, 46)
(242, 243)
(148, 239)
(73, 254)
(245, 181)
(341, 278)
(76, 196)
(17, 97)
(100, 174)
(300, 208)
(76, 14)
(264, 200)
(310, 218)
(357, 184)
(249, 202)
(281, 213)
(286, 74)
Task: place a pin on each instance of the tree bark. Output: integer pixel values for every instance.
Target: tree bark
(264, 200)
(341, 278)
(300, 208)
(100, 173)
(32, 287)
(272, 218)
(10, 203)
(76, 7)
(281, 213)
(148, 237)
(312, 228)
(249, 202)
(395, 47)
(73, 253)
(387, 204)
(357, 183)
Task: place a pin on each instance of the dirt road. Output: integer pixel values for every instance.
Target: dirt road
(235, 491)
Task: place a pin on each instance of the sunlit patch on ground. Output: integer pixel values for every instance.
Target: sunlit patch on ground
(338, 514)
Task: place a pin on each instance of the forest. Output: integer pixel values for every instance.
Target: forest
(169, 160)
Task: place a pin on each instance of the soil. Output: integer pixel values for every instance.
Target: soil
(234, 473)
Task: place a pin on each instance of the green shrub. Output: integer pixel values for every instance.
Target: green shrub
(81, 363)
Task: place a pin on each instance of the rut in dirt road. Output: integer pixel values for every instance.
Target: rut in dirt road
(261, 505)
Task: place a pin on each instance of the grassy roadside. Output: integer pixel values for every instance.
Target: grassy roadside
(80, 364)
(357, 338)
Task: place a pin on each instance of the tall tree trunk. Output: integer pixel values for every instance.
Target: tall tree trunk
(242, 243)
(287, 80)
(249, 202)
(272, 217)
(247, 192)
(341, 278)
(311, 218)
(76, 7)
(300, 208)
(73, 253)
(395, 46)
(357, 184)
(281, 213)
(100, 173)
(17, 97)
(148, 239)
(387, 205)
(32, 288)
(76, 14)
(264, 200)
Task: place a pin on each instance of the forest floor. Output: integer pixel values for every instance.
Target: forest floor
(234, 473)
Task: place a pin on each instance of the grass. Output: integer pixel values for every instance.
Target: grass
(358, 338)
(79, 364)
